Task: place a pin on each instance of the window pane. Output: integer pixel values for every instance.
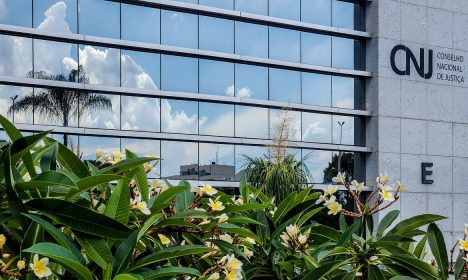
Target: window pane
(316, 89)
(56, 15)
(99, 110)
(216, 162)
(343, 92)
(343, 53)
(10, 95)
(179, 160)
(251, 122)
(140, 69)
(57, 106)
(343, 14)
(140, 113)
(259, 7)
(250, 151)
(316, 49)
(316, 11)
(317, 162)
(345, 136)
(216, 77)
(16, 12)
(100, 65)
(289, 9)
(72, 141)
(285, 85)
(144, 147)
(15, 56)
(346, 165)
(179, 73)
(251, 81)
(179, 116)
(224, 4)
(216, 34)
(216, 119)
(251, 39)
(140, 23)
(179, 29)
(55, 61)
(285, 44)
(316, 128)
(100, 18)
(89, 145)
(292, 119)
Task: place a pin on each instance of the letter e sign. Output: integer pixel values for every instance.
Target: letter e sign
(425, 172)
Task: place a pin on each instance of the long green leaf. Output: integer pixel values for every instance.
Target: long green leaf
(170, 272)
(125, 165)
(22, 146)
(118, 206)
(140, 177)
(184, 199)
(15, 204)
(415, 223)
(169, 194)
(348, 233)
(80, 218)
(387, 221)
(69, 160)
(124, 253)
(46, 179)
(96, 248)
(49, 159)
(34, 234)
(439, 251)
(375, 273)
(64, 257)
(84, 184)
(459, 266)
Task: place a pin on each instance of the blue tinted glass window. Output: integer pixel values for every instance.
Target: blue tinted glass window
(100, 65)
(16, 12)
(179, 73)
(216, 162)
(55, 60)
(188, 1)
(89, 145)
(343, 92)
(216, 77)
(144, 147)
(179, 160)
(140, 113)
(343, 53)
(179, 116)
(343, 14)
(61, 107)
(317, 162)
(10, 96)
(343, 130)
(56, 15)
(224, 4)
(316, 89)
(216, 34)
(99, 110)
(251, 81)
(140, 23)
(179, 29)
(259, 7)
(251, 39)
(316, 128)
(285, 44)
(251, 122)
(291, 118)
(99, 18)
(216, 119)
(285, 85)
(316, 11)
(289, 9)
(241, 160)
(15, 56)
(140, 69)
(316, 49)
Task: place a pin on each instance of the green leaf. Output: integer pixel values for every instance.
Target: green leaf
(22, 146)
(169, 194)
(417, 266)
(140, 177)
(243, 208)
(387, 221)
(374, 273)
(118, 206)
(69, 160)
(171, 252)
(127, 276)
(34, 234)
(171, 222)
(244, 220)
(80, 218)
(322, 270)
(49, 160)
(149, 223)
(348, 233)
(459, 266)
(402, 278)
(46, 179)
(124, 253)
(420, 250)
(125, 165)
(96, 248)
(244, 232)
(170, 273)
(244, 189)
(184, 200)
(64, 257)
(308, 215)
(439, 251)
(84, 184)
(415, 223)
(57, 235)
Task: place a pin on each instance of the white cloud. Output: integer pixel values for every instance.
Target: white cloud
(230, 91)
(177, 120)
(54, 18)
(101, 65)
(15, 55)
(244, 92)
(134, 75)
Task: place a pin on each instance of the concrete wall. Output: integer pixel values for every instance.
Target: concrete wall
(417, 120)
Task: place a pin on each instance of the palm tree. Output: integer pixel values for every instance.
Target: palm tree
(61, 105)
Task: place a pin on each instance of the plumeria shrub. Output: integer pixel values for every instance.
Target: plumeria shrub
(460, 266)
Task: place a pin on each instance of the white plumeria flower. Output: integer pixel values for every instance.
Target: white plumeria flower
(248, 253)
(233, 275)
(226, 238)
(204, 222)
(250, 240)
(21, 265)
(464, 245)
(223, 218)
(216, 205)
(357, 186)
(322, 198)
(272, 212)
(214, 276)
(466, 228)
(99, 153)
(334, 208)
(292, 230)
(340, 178)
(140, 205)
(383, 178)
(232, 263)
(40, 268)
(302, 239)
(209, 190)
(399, 187)
(164, 239)
(199, 191)
(331, 190)
(387, 193)
(330, 201)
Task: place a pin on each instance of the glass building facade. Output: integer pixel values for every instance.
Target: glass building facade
(199, 83)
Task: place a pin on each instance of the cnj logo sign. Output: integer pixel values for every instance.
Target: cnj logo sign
(419, 65)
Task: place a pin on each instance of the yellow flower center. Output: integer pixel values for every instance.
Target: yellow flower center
(464, 245)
